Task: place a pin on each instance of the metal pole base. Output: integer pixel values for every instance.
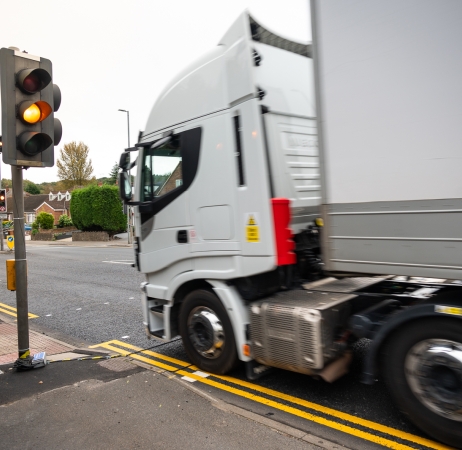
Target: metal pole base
(31, 362)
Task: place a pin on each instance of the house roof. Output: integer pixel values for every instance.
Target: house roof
(32, 202)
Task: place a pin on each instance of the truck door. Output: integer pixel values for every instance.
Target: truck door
(166, 174)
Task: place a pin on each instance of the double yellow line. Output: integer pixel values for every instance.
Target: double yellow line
(13, 311)
(166, 363)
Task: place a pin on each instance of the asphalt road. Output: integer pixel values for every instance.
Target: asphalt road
(92, 294)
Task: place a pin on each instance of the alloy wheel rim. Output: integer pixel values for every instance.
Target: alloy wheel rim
(206, 332)
(433, 369)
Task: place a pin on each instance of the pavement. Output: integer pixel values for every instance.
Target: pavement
(107, 401)
(120, 242)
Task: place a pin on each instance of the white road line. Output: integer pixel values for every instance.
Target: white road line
(197, 372)
(119, 261)
(191, 380)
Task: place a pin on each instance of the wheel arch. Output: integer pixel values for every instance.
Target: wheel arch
(228, 296)
(181, 292)
(410, 315)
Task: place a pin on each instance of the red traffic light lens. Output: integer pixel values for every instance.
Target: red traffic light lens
(31, 83)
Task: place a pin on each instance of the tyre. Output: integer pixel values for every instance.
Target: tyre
(207, 333)
(423, 371)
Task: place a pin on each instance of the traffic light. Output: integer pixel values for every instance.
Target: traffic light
(2, 200)
(29, 100)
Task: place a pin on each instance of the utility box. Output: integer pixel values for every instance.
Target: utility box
(11, 274)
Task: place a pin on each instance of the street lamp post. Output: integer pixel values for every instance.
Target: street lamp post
(129, 176)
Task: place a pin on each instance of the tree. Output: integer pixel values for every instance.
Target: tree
(52, 186)
(6, 183)
(31, 187)
(74, 167)
(114, 174)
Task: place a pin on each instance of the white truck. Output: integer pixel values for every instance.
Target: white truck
(261, 246)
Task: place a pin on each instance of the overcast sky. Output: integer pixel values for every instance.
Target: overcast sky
(113, 54)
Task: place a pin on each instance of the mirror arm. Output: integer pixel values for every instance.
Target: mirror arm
(130, 203)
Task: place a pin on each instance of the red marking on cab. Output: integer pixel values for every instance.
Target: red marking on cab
(282, 233)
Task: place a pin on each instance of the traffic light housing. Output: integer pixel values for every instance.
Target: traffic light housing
(29, 101)
(2, 200)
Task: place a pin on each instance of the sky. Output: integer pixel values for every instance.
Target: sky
(112, 54)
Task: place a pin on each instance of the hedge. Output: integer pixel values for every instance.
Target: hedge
(98, 208)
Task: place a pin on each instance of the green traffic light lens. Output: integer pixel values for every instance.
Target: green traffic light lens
(31, 143)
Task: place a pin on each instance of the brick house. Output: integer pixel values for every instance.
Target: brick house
(173, 181)
(53, 203)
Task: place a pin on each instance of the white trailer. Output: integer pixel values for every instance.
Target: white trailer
(260, 246)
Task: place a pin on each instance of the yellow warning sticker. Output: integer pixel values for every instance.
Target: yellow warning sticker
(448, 310)
(252, 230)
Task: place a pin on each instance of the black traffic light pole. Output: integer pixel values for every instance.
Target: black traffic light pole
(20, 267)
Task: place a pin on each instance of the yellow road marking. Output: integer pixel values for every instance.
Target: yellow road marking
(138, 357)
(296, 412)
(12, 311)
(148, 352)
(341, 415)
(289, 409)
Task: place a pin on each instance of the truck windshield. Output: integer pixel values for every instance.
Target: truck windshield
(162, 170)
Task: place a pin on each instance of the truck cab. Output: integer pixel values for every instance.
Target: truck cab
(234, 130)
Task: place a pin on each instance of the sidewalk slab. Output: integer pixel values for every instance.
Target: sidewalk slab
(15, 386)
(144, 410)
(37, 342)
(70, 243)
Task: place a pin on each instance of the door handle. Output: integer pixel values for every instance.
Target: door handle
(182, 237)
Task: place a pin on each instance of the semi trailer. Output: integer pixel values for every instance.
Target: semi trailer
(292, 198)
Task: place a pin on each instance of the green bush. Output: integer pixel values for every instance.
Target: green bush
(45, 220)
(97, 208)
(64, 221)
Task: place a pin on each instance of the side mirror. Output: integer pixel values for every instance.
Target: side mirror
(124, 162)
(125, 187)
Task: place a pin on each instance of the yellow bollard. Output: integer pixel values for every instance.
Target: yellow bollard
(11, 274)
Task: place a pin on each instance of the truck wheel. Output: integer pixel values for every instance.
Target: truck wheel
(423, 371)
(207, 333)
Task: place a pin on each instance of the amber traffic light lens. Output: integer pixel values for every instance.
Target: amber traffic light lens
(34, 112)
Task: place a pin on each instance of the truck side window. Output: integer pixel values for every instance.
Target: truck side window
(240, 163)
(162, 170)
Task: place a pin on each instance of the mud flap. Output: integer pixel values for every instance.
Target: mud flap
(255, 370)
